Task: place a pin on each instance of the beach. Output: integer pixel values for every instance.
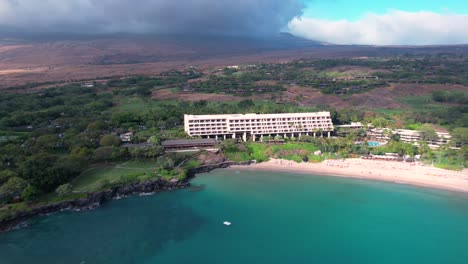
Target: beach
(390, 171)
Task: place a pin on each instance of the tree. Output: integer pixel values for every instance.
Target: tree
(143, 91)
(439, 96)
(109, 140)
(87, 139)
(82, 152)
(463, 155)
(95, 126)
(12, 188)
(173, 121)
(37, 166)
(108, 153)
(43, 172)
(68, 167)
(154, 140)
(47, 142)
(165, 163)
(5, 175)
(64, 189)
(30, 193)
(245, 104)
(229, 145)
(460, 136)
(428, 133)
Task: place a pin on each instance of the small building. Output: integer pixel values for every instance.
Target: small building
(352, 126)
(126, 137)
(190, 144)
(87, 85)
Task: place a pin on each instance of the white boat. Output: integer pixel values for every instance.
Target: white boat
(226, 223)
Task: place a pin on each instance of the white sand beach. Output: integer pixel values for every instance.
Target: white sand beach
(391, 171)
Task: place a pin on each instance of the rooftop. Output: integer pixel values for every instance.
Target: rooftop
(260, 115)
(182, 142)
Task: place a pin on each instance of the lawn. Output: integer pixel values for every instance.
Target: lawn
(414, 103)
(134, 103)
(10, 210)
(421, 102)
(94, 178)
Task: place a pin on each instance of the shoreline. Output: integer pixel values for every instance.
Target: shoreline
(387, 171)
(96, 199)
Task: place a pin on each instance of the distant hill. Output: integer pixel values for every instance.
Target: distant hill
(45, 59)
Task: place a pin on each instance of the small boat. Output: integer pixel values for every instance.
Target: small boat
(226, 223)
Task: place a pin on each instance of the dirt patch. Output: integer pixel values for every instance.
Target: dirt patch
(313, 97)
(400, 90)
(23, 71)
(269, 82)
(6, 48)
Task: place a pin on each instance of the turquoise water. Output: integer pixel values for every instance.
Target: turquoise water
(277, 218)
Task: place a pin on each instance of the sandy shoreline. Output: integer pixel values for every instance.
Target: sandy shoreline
(389, 171)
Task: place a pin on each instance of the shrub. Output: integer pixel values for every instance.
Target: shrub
(109, 140)
(30, 193)
(64, 189)
(13, 187)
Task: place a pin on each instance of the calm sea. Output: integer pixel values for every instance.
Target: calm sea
(276, 218)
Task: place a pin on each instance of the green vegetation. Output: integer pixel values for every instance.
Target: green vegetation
(60, 143)
(101, 177)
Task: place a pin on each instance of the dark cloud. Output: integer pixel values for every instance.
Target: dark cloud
(230, 17)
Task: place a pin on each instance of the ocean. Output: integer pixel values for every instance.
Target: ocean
(276, 218)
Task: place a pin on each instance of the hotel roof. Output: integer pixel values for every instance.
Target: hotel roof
(285, 115)
(182, 142)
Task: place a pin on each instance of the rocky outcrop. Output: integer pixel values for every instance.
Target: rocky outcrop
(94, 200)
(207, 168)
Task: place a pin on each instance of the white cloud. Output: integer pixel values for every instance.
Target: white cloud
(393, 28)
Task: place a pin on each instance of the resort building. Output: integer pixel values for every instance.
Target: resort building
(412, 136)
(408, 136)
(352, 126)
(190, 144)
(256, 126)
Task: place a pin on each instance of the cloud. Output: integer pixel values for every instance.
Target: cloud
(393, 28)
(230, 17)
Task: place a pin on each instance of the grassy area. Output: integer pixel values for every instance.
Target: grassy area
(262, 152)
(239, 156)
(95, 178)
(414, 103)
(55, 198)
(421, 102)
(293, 151)
(132, 104)
(316, 159)
(10, 210)
(192, 163)
(446, 166)
(389, 112)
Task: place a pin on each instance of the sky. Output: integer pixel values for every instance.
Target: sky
(380, 22)
(376, 22)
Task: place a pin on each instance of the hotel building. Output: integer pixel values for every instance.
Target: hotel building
(409, 136)
(256, 126)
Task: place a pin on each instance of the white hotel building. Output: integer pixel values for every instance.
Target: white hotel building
(256, 126)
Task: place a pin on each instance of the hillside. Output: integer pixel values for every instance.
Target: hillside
(63, 58)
